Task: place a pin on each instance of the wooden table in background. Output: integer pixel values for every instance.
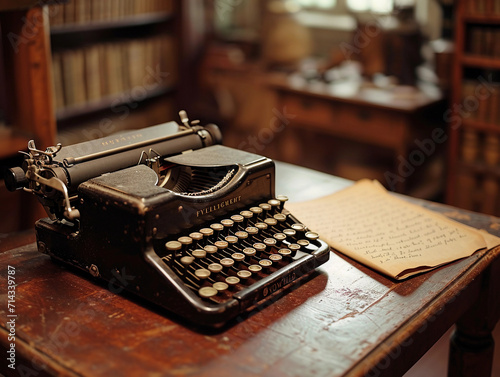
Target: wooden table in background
(345, 320)
(388, 120)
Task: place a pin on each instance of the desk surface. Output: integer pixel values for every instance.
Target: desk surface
(345, 320)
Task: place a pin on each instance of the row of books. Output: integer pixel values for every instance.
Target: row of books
(484, 41)
(84, 11)
(483, 7)
(133, 67)
(478, 193)
(480, 147)
(481, 102)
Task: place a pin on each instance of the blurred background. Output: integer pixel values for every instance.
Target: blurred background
(402, 91)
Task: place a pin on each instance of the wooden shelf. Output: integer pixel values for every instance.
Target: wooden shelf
(71, 35)
(481, 61)
(481, 126)
(108, 103)
(482, 19)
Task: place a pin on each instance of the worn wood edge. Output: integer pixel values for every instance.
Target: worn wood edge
(467, 284)
(30, 361)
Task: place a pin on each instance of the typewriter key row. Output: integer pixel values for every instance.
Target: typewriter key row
(239, 250)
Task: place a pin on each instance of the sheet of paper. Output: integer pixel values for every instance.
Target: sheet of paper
(386, 233)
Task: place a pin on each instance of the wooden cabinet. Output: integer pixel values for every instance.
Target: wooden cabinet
(474, 117)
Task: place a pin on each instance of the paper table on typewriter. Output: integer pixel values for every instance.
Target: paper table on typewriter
(196, 224)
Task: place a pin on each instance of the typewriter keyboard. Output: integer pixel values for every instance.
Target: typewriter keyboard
(238, 251)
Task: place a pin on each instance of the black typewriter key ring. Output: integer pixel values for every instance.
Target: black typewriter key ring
(294, 248)
(218, 229)
(257, 211)
(238, 221)
(196, 237)
(265, 264)
(207, 234)
(266, 209)
(186, 243)
(228, 224)
(207, 292)
(174, 248)
(232, 281)
(275, 204)
(282, 199)
(247, 215)
(285, 253)
(279, 237)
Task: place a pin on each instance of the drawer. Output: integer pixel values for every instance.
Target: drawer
(358, 122)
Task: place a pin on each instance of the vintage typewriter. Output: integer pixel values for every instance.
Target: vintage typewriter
(172, 216)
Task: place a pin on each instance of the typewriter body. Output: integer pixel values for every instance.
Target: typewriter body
(172, 216)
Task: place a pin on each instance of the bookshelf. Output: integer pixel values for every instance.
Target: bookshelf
(474, 123)
(114, 65)
(83, 69)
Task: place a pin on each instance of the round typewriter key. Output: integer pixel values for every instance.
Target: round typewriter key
(186, 261)
(232, 280)
(197, 236)
(265, 206)
(249, 251)
(221, 244)
(273, 202)
(275, 258)
(289, 232)
(282, 199)
(294, 248)
(246, 214)
(279, 217)
(251, 230)
(312, 236)
(280, 237)
(185, 240)
(210, 249)
(217, 227)
(215, 268)
(244, 274)
(237, 218)
(199, 253)
(265, 263)
(241, 235)
(173, 245)
(261, 226)
(285, 252)
(207, 232)
(256, 211)
(271, 221)
(231, 239)
(238, 257)
(227, 223)
(298, 227)
(226, 262)
(202, 273)
(269, 242)
(259, 247)
(207, 292)
(220, 286)
(254, 268)
(303, 243)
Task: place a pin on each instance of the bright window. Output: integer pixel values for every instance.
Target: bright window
(376, 6)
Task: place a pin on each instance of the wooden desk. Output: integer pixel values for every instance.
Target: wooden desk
(375, 120)
(345, 320)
